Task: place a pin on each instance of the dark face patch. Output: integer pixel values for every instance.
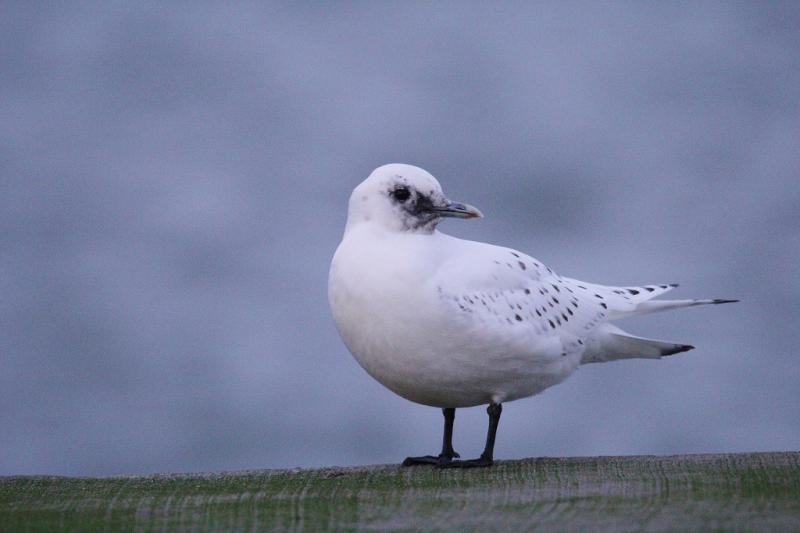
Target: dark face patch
(415, 206)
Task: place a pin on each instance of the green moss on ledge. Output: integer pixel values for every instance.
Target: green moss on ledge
(733, 491)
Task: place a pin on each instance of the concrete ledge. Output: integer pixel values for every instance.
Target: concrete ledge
(731, 491)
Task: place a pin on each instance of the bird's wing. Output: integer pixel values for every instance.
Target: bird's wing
(522, 304)
(618, 301)
(519, 298)
(628, 301)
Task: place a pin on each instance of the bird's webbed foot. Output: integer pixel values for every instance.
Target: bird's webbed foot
(441, 460)
(480, 462)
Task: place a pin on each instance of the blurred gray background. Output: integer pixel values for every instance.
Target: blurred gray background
(174, 179)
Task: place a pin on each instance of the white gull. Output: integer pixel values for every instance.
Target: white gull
(452, 323)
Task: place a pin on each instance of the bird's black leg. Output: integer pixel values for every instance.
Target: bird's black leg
(448, 453)
(447, 438)
(487, 457)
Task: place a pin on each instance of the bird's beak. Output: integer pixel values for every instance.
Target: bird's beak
(457, 210)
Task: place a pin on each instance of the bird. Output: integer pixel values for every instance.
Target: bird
(453, 323)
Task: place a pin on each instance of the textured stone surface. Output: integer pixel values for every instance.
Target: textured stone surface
(734, 491)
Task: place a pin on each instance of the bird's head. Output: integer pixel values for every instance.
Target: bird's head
(403, 198)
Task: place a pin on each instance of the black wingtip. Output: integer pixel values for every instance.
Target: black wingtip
(679, 348)
(721, 301)
(673, 285)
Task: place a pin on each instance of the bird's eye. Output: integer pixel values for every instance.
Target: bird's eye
(402, 193)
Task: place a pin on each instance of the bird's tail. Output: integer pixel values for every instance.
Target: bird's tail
(654, 306)
(610, 343)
